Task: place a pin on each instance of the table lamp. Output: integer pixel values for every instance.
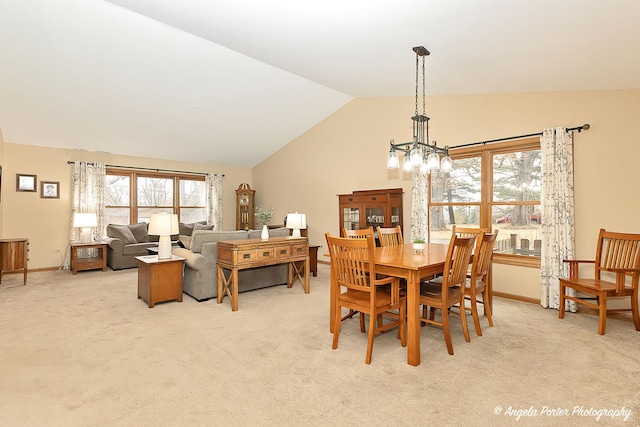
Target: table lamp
(296, 221)
(85, 221)
(163, 225)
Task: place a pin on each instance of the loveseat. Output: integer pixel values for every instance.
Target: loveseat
(126, 242)
(201, 269)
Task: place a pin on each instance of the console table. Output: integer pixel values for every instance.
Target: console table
(235, 255)
(13, 256)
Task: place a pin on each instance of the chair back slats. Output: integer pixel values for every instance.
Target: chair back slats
(477, 233)
(483, 254)
(350, 261)
(457, 263)
(618, 251)
(390, 236)
(358, 234)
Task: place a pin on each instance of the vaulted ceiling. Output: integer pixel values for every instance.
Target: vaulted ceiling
(231, 82)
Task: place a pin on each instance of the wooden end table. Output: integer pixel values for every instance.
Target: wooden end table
(90, 263)
(160, 279)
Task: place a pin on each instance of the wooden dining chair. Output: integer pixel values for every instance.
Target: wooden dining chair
(357, 234)
(390, 236)
(449, 291)
(353, 270)
(470, 231)
(478, 283)
(617, 259)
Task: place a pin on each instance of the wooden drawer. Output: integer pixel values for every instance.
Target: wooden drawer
(265, 253)
(89, 263)
(247, 256)
(283, 251)
(377, 198)
(298, 250)
(348, 198)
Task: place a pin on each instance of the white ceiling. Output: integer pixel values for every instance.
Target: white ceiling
(230, 82)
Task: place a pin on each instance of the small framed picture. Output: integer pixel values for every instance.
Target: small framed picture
(26, 182)
(49, 190)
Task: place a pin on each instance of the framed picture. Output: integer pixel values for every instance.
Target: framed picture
(26, 182)
(49, 190)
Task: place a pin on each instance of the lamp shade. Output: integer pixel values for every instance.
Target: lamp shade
(84, 219)
(163, 224)
(296, 221)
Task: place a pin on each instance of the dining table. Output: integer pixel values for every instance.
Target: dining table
(404, 262)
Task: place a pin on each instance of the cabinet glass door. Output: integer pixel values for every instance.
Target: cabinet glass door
(395, 216)
(375, 217)
(350, 218)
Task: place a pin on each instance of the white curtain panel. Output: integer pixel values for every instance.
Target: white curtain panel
(87, 195)
(419, 204)
(214, 199)
(558, 225)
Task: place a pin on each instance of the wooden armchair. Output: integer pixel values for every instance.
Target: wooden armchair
(449, 291)
(390, 236)
(353, 269)
(617, 257)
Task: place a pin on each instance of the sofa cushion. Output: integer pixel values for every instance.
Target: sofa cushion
(274, 232)
(140, 232)
(205, 236)
(121, 232)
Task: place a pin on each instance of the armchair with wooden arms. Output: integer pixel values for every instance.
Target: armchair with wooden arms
(617, 258)
(353, 270)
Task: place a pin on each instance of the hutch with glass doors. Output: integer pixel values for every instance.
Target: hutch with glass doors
(370, 208)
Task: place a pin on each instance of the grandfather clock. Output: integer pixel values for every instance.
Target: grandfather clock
(244, 207)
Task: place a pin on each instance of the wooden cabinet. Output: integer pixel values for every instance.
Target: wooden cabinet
(13, 256)
(370, 208)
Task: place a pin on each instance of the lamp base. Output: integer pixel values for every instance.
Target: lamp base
(296, 233)
(164, 247)
(85, 235)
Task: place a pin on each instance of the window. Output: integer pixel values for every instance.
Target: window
(132, 196)
(495, 186)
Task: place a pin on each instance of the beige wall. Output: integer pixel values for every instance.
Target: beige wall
(46, 221)
(348, 151)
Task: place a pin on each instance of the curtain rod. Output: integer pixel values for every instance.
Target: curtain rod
(585, 126)
(151, 169)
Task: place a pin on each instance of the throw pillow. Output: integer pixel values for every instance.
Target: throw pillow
(199, 226)
(121, 232)
(140, 232)
(185, 229)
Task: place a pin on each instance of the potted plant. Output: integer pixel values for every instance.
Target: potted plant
(419, 245)
(264, 216)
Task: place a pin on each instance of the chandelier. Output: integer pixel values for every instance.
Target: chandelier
(419, 154)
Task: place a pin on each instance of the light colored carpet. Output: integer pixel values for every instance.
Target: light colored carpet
(84, 351)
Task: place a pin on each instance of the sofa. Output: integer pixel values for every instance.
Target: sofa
(126, 242)
(201, 271)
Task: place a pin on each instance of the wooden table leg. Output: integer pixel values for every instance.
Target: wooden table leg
(413, 319)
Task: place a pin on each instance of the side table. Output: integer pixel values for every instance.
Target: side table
(160, 279)
(88, 263)
(13, 256)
